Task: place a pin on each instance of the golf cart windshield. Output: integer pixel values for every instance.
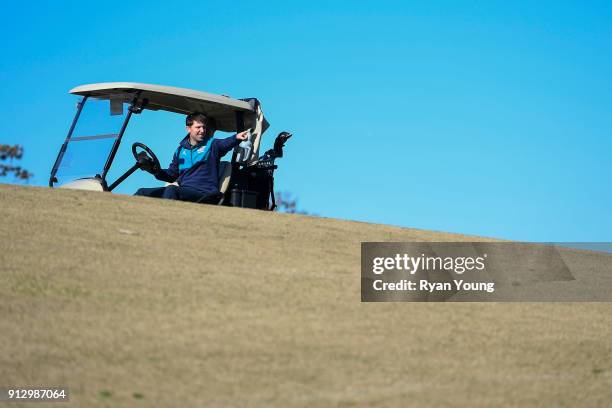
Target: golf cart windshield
(90, 143)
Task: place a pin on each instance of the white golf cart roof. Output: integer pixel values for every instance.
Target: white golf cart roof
(179, 100)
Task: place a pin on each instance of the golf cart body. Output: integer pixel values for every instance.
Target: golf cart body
(106, 109)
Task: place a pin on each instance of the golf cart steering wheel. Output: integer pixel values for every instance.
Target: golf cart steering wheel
(146, 159)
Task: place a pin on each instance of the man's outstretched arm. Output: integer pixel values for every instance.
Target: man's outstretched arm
(227, 144)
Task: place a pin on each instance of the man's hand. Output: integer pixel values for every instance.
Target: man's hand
(146, 163)
(242, 135)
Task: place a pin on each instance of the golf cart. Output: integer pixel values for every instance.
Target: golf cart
(105, 110)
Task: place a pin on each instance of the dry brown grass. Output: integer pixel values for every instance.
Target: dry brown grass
(131, 301)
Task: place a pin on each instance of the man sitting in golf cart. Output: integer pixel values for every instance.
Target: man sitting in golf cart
(195, 163)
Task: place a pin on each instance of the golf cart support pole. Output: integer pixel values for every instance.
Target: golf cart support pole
(235, 178)
(60, 155)
(239, 128)
(111, 157)
(236, 166)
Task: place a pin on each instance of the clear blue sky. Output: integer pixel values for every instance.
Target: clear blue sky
(479, 117)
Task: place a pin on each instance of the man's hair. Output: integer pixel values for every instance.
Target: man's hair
(196, 117)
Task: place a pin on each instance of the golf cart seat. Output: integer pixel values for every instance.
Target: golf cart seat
(225, 173)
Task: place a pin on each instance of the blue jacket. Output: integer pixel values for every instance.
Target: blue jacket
(197, 167)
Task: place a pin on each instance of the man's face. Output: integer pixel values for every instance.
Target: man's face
(196, 131)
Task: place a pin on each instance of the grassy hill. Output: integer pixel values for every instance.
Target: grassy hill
(131, 301)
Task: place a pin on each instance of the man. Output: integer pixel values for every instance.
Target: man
(195, 164)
